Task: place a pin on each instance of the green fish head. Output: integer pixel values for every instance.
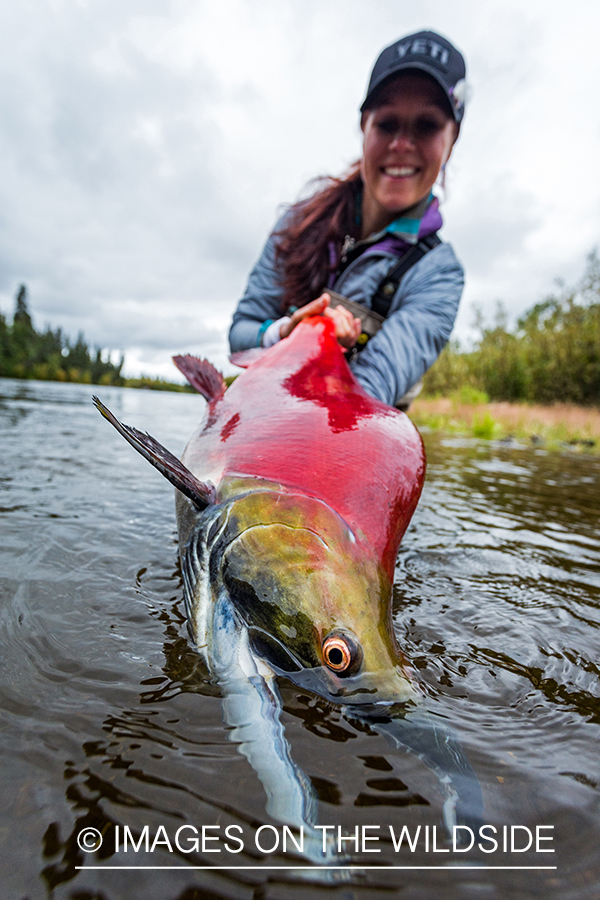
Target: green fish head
(314, 601)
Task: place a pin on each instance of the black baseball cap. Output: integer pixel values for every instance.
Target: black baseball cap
(427, 52)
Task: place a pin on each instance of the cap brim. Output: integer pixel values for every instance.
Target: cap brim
(407, 67)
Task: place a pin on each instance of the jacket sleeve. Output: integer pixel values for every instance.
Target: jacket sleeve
(421, 318)
(261, 300)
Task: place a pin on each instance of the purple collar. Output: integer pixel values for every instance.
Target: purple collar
(392, 243)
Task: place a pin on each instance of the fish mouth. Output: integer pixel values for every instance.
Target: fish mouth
(266, 646)
(362, 691)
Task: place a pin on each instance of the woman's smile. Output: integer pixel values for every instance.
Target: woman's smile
(408, 137)
(400, 171)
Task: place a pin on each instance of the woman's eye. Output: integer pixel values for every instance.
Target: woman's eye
(419, 129)
(388, 126)
(424, 128)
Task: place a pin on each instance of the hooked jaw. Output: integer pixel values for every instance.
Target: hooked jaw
(316, 608)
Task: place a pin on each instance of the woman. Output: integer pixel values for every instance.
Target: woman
(371, 235)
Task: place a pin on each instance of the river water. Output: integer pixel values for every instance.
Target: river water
(109, 720)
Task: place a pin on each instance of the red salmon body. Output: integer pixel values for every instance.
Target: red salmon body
(298, 417)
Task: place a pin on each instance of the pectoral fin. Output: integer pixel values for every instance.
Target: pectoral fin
(252, 711)
(438, 747)
(201, 494)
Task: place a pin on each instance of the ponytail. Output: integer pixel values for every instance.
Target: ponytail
(309, 247)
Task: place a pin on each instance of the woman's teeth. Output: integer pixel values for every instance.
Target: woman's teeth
(400, 171)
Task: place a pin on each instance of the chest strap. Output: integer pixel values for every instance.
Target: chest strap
(372, 319)
(383, 296)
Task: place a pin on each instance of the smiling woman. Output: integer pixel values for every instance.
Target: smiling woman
(363, 250)
(408, 138)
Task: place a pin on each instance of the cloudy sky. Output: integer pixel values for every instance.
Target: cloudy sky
(146, 146)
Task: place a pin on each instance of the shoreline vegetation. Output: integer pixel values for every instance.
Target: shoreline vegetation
(536, 382)
(556, 426)
(551, 355)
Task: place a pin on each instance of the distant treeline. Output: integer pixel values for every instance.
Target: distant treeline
(50, 355)
(551, 354)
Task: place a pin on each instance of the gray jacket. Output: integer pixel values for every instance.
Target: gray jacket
(418, 326)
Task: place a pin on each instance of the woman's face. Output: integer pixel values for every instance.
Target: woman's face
(408, 136)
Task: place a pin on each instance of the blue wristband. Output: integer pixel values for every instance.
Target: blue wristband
(262, 330)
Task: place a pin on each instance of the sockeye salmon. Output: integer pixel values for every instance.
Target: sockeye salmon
(292, 498)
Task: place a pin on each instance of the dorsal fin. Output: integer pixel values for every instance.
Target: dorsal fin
(245, 358)
(202, 376)
(201, 494)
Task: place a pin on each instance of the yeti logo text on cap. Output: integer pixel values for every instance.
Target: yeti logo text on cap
(427, 52)
(423, 47)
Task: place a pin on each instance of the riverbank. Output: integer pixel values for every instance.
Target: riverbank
(557, 426)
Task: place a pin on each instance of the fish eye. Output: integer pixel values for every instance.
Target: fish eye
(342, 653)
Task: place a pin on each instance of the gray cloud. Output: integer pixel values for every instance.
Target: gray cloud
(146, 146)
(111, 203)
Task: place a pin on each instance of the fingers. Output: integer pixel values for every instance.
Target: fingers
(314, 308)
(347, 326)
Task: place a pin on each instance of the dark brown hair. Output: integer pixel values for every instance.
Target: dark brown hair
(310, 245)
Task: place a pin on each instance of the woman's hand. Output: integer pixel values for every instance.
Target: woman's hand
(314, 308)
(347, 327)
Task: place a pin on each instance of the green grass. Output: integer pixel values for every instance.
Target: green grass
(555, 427)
